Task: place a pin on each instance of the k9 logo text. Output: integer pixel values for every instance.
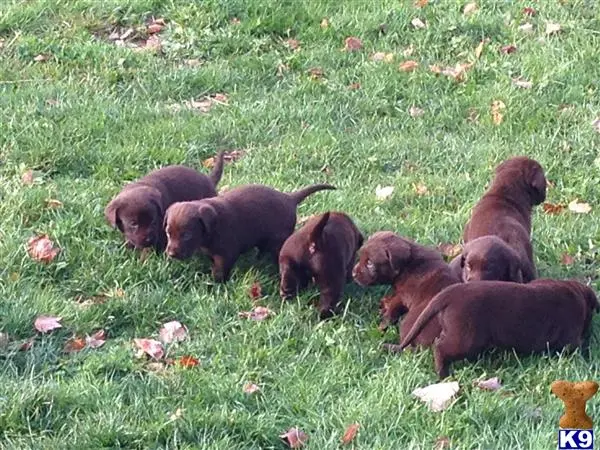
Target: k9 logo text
(575, 439)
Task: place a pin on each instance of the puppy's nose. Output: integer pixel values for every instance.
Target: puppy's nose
(171, 253)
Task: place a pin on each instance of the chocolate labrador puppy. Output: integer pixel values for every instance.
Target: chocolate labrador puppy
(137, 211)
(488, 258)
(226, 226)
(505, 211)
(417, 273)
(323, 249)
(527, 318)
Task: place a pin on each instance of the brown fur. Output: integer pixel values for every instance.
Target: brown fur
(527, 318)
(137, 211)
(488, 258)
(505, 209)
(417, 273)
(226, 226)
(323, 249)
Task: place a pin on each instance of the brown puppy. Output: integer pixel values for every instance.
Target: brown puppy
(324, 248)
(541, 315)
(226, 226)
(417, 273)
(488, 258)
(505, 209)
(137, 211)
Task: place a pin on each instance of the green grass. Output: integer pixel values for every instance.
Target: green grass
(110, 124)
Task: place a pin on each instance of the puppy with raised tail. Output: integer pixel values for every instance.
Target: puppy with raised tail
(417, 274)
(226, 226)
(323, 249)
(504, 211)
(138, 210)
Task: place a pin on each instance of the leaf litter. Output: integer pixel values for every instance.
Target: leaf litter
(437, 396)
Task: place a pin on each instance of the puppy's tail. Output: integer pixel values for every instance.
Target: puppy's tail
(437, 305)
(316, 234)
(217, 172)
(300, 195)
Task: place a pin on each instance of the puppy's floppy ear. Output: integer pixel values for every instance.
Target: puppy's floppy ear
(111, 212)
(537, 182)
(398, 253)
(316, 234)
(207, 217)
(515, 273)
(159, 211)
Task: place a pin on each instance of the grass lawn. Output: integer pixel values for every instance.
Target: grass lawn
(88, 115)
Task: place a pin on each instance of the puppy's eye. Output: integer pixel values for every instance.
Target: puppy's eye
(370, 265)
(133, 226)
(186, 236)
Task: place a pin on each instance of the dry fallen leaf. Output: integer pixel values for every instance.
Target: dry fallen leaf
(154, 28)
(457, 72)
(27, 178)
(193, 62)
(178, 414)
(567, 259)
(418, 23)
(479, 49)
(350, 433)
(596, 124)
(324, 23)
(258, 313)
(552, 208)
(188, 361)
(438, 396)
(74, 345)
(497, 107)
(529, 11)
(255, 291)
(552, 28)
(41, 248)
(44, 324)
(508, 49)
(421, 189)
(421, 3)
(41, 58)
(382, 56)
(235, 21)
(316, 73)
(579, 207)
(415, 111)
(172, 331)
(25, 346)
(470, 8)
(526, 28)
(96, 340)
(518, 82)
(294, 438)
(354, 86)
(450, 250)
(442, 443)
(491, 384)
(408, 51)
(250, 388)
(383, 193)
(153, 43)
(53, 203)
(150, 347)
(293, 44)
(408, 66)
(352, 44)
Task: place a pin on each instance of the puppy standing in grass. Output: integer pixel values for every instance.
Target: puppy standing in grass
(324, 248)
(417, 273)
(504, 211)
(138, 210)
(226, 226)
(534, 317)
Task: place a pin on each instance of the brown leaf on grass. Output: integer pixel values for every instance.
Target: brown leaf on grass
(53, 203)
(508, 49)
(45, 324)
(479, 48)
(457, 72)
(150, 347)
(421, 189)
(354, 86)
(250, 388)
(596, 124)
(258, 313)
(526, 28)
(255, 291)
(41, 58)
(524, 84)
(203, 105)
(566, 259)
(470, 8)
(491, 384)
(193, 62)
(316, 73)
(27, 178)
(229, 157)
(178, 414)
(156, 26)
(579, 207)
(352, 44)
(450, 250)
(235, 21)
(153, 43)
(41, 248)
(553, 208)
(421, 3)
(350, 433)
(282, 68)
(529, 11)
(324, 23)
(415, 111)
(73, 345)
(496, 110)
(418, 23)
(442, 443)
(552, 28)
(437, 396)
(188, 361)
(292, 44)
(408, 66)
(172, 331)
(382, 56)
(294, 438)
(96, 340)
(26, 346)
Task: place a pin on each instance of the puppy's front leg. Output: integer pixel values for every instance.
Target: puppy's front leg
(390, 308)
(221, 268)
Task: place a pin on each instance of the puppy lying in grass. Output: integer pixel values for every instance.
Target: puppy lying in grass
(417, 273)
(527, 318)
(138, 210)
(226, 226)
(323, 249)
